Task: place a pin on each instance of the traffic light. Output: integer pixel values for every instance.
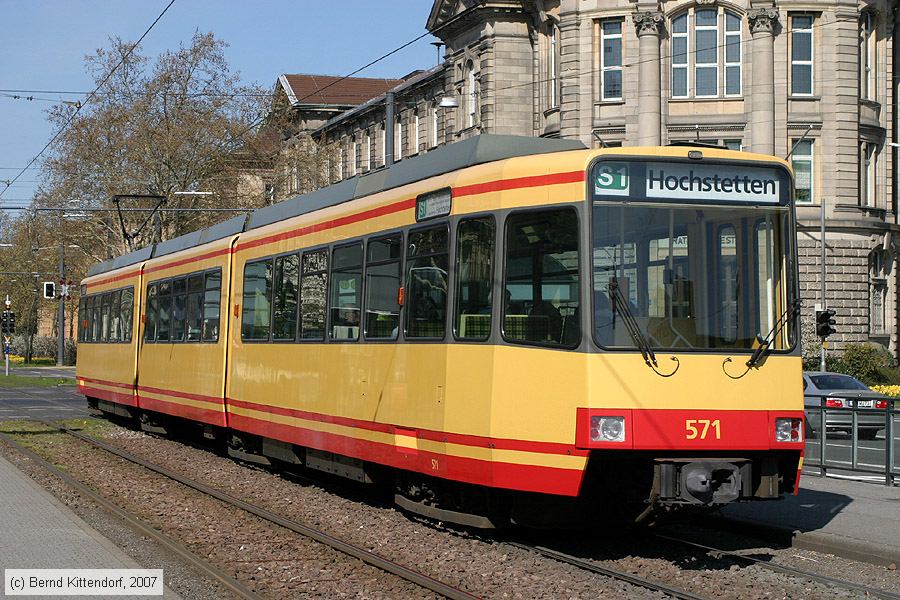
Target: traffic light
(8, 322)
(49, 290)
(825, 323)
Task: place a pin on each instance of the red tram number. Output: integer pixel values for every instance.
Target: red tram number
(699, 428)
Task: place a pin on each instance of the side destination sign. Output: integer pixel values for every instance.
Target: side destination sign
(681, 181)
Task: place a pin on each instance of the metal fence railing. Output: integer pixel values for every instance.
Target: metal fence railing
(835, 442)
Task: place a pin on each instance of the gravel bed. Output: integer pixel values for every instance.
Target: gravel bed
(488, 567)
(270, 560)
(805, 560)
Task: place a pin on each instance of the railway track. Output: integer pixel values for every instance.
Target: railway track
(790, 571)
(366, 556)
(593, 567)
(371, 558)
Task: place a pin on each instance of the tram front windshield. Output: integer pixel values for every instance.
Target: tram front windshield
(693, 275)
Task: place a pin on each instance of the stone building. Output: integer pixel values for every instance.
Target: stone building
(811, 77)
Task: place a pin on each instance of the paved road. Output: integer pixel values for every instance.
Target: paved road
(41, 403)
(67, 372)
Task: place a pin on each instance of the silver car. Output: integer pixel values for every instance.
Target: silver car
(836, 391)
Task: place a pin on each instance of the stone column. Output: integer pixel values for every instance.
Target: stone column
(763, 22)
(648, 25)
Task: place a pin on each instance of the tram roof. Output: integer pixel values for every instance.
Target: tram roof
(473, 151)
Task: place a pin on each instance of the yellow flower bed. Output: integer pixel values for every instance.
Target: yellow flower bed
(888, 390)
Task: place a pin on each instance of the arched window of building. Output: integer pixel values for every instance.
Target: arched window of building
(706, 53)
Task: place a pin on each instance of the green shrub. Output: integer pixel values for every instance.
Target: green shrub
(868, 363)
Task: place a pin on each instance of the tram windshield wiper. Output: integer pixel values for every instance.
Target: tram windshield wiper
(765, 343)
(620, 305)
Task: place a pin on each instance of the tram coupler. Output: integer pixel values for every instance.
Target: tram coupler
(701, 481)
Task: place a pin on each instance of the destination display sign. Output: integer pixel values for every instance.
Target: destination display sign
(688, 181)
(433, 204)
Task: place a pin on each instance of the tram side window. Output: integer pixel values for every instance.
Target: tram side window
(541, 304)
(313, 293)
(127, 319)
(179, 303)
(82, 318)
(426, 282)
(164, 294)
(287, 287)
(256, 313)
(193, 315)
(382, 288)
(95, 319)
(150, 325)
(474, 278)
(212, 298)
(346, 284)
(104, 318)
(115, 317)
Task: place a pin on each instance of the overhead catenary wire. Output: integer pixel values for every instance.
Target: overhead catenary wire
(90, 97)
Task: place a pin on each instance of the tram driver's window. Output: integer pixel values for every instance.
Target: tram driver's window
(426, 282)
(541, 289)
(474, 278)
(257, 303)
(346, 288)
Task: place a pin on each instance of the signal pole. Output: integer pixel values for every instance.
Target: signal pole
(61, 318)
(824, 301)
(5, 342)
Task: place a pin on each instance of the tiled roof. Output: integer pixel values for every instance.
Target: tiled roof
(331, 90)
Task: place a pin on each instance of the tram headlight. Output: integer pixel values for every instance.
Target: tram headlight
(788, 430)
(607, 429)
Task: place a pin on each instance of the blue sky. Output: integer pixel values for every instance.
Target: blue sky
(44, 41)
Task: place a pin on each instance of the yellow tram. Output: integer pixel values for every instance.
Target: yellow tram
(501, 328)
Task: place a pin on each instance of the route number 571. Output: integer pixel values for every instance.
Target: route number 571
(699, 428)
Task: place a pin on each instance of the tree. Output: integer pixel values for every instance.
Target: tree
(183, 122)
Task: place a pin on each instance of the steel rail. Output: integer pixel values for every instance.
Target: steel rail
(613, 573)
(790, 571)
(182, 552)
(366, 556)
